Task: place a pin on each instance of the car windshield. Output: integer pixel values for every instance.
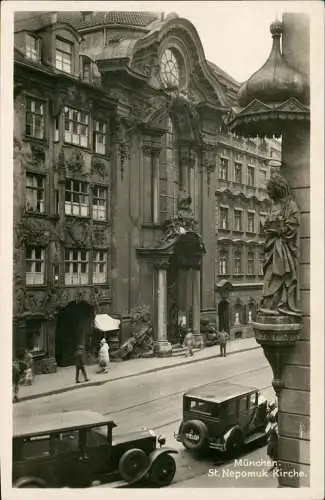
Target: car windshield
(97, 436)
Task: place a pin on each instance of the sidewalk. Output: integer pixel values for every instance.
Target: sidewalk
(63, 379)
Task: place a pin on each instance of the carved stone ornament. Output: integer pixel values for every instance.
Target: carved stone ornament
(76, 163)
(182, 223)
(38, 232)
(65, 96)
(99, 167)
(79, 232)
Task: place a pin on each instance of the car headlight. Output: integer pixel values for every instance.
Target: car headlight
(161, 440)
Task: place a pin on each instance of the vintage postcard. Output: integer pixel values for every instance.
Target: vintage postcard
(162, 201)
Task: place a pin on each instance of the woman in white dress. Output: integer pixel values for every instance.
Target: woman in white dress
(103, 356)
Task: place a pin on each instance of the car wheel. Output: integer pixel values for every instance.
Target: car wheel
(132, 464)
(234, 444)
(194, 435)
(162, 471)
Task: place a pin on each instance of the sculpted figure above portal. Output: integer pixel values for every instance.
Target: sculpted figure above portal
(280, 291)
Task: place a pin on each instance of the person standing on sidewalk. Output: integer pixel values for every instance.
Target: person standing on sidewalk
(188, 343)
(223, 338)
(28, 359)
(103, 356)
(80, 363)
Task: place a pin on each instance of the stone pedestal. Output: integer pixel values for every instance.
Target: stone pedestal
(277, 335)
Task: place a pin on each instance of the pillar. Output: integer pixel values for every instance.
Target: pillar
(161, 345)
(196, 306)
(294, 401)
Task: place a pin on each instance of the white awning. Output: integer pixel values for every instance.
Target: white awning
(106, 323)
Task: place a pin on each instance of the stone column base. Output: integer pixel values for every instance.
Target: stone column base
(198, 340)
(162, 348)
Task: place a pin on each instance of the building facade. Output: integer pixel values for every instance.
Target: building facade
(117, 177)
(243, 169)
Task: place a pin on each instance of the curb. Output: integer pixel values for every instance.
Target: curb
(95, 383)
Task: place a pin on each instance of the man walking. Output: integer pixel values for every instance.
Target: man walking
(223, 338)
(80, 363)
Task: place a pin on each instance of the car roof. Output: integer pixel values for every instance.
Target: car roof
(218, 392)
(57, 422)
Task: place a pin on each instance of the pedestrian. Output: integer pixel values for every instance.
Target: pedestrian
(273, 440)
(103, 356)
(28, 359)
(18, 369)
(223, 338)
(80, 363)
(188, 343)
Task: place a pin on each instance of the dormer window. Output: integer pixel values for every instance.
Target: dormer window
(63, 56)
(32, 48)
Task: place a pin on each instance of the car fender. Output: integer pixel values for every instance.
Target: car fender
(160, 451)
(29, 479)
(230, 431)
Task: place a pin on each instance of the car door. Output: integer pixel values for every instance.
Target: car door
(98, 452)
(250, 413)
(69, 466)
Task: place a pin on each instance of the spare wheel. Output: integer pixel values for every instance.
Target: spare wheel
(132, 464)
(194, 435)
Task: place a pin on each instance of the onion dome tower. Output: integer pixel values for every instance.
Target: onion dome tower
(272, 96)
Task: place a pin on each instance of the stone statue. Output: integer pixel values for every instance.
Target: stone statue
(280, 291)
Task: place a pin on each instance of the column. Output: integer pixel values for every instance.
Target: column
(161, 346)
(196, 306)
(155, 185)
(294, 401)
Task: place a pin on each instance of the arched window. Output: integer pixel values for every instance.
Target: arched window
(169, 69)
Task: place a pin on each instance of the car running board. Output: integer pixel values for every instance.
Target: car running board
(255, 437)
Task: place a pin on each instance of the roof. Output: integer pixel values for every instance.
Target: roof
(83, 20)
(217, 392)
(43, 424)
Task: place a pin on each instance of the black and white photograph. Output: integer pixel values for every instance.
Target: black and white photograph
(163, 297)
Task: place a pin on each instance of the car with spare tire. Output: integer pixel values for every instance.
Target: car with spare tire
(78, 450)
(222, 416)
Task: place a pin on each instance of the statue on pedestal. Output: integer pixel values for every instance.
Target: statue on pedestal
(280, 291)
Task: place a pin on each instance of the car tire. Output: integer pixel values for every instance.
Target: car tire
(162, 471)
(234, 443)
(198, 429)
(132, 464)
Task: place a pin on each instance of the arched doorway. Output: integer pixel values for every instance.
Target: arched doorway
(74, 326)
(223, 315)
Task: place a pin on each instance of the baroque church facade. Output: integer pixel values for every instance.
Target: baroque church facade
(122, 174)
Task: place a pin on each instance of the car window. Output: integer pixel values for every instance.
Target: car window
(38, 446)
(242, 404)
(251, 400)
(97, 436)
(229, 408)
(203, 407)
(66, 441)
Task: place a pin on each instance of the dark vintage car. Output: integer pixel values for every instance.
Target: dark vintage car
(222, 416)
(78, 450)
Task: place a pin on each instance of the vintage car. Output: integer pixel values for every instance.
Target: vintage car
(222, 416)
(77, 450)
